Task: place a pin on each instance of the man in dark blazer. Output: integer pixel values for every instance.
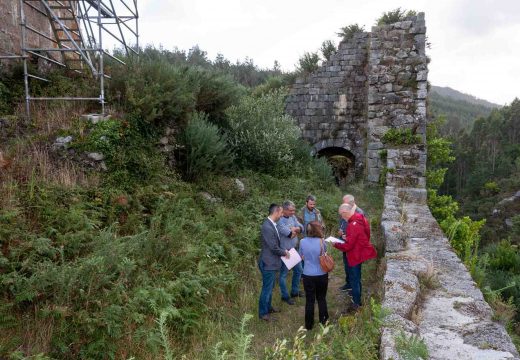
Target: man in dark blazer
(270, 260)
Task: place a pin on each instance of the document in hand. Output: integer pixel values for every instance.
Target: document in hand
(332, 239)
(294, 259)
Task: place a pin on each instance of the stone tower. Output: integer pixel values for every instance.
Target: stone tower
(375, 81)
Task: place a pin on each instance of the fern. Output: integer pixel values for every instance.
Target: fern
(411, 348)
(163, 317)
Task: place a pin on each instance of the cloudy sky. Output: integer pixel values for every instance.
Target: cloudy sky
(475, 44)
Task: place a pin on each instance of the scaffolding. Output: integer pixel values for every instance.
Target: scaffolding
(77, 31)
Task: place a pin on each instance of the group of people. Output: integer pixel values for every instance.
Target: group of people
(281, 232)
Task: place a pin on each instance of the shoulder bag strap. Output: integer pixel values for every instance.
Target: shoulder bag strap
(321, 247)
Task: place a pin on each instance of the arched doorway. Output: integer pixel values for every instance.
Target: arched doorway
(342, 162)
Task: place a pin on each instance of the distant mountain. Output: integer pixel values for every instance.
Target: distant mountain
(457, 95)
(461, 110)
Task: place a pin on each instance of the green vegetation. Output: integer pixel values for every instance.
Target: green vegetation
(347, 32)
(308, 63)
(393, 16)
(327, 49)
(460, 113)
(411, 347)
(206, 150)
(353, 337)
(486, 172)
(155, 256)
(494, 268)
(396, 136)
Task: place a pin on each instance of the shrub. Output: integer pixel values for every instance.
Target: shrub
(262, 136)
(394, 16)
(401, 137)
(320, 167)
(491, 188)
(154, 91)
(161, 93)
(505, 256)
(272, 83)
(347, 32)
(464, 236)
(435, 178)
(206, 150)
(215, 93)
(442, 206)
(308, 63)
(327, 49)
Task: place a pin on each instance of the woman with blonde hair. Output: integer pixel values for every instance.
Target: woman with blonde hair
(315, 280)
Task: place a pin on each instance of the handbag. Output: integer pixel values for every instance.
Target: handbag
(326, 261)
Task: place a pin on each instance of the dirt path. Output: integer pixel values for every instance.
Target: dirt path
(292, 317)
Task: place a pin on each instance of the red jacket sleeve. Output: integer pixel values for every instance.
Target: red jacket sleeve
(355, 229)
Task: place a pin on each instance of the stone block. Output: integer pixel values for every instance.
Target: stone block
(375, 145)
(422, 94)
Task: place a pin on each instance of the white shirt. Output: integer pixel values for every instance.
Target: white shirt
(274, 224)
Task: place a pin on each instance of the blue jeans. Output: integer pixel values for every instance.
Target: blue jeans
(354, 277)
(295, 286)
(266, 295)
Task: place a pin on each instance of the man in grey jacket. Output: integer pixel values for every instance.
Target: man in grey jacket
(270, 260)
(289, 227)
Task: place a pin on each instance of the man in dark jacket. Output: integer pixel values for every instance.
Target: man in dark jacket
(270, 260)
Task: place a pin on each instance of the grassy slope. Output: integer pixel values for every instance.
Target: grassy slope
(119, 261)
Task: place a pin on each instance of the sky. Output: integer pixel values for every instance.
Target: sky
(475, 44)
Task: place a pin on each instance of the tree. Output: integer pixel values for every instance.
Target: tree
(308, 63)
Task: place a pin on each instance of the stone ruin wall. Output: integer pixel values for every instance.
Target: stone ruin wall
(375, 82)
(330, 105)
(397, 91)
(11, 33)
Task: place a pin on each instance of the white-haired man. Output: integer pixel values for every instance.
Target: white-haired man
(357, 246)
(343, 224)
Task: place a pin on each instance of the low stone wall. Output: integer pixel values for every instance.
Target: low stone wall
(429, 291)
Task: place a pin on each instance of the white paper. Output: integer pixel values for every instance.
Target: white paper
(294, 258)
(332, 239)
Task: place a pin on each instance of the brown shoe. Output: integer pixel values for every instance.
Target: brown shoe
(267, 318)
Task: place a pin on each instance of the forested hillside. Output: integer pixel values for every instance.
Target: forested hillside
(460, 110)
(483, 176)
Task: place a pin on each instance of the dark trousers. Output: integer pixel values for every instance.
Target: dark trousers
(354, 276)
(315, 289)
(345, 266)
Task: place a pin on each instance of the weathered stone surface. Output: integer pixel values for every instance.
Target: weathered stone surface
(62, 142)
(240, 185)
(210, 198)
(455, 321)
(96, 156)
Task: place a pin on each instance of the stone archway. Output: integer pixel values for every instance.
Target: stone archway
(343, 163)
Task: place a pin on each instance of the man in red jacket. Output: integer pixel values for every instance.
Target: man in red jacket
(357, 246)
